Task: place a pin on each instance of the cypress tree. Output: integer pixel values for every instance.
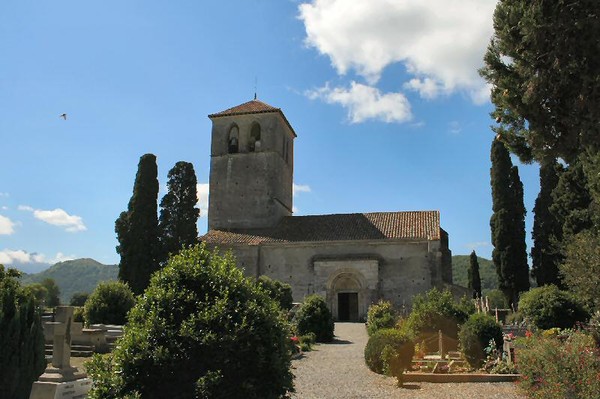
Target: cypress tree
(546, 231)
(22, 358)
(474, 278)
(507, 221)
(178, 214)
(137, 228)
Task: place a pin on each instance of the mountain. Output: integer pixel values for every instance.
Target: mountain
(487, 272)
(79, 275)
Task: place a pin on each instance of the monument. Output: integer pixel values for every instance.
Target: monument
(60, 379)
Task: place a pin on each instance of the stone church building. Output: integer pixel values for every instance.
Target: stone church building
(352, 260)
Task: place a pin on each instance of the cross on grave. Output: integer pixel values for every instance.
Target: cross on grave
(60, 379)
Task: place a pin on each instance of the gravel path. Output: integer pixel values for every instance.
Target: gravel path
(338, 370)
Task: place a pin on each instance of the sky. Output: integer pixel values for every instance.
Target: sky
(384, 95)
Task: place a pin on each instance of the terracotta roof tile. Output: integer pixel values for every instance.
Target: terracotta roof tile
(413, 225)
(252, 107)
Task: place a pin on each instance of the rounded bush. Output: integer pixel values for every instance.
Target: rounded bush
(548, 307)
(109, 303)
(314, 317)
(279, 291)
(475, 336)
(380, 315)
(201, 330)
(399, 345)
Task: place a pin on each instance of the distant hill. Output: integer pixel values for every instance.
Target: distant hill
(487, 272)
(79, 275)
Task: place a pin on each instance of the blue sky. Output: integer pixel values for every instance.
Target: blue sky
(384, 96)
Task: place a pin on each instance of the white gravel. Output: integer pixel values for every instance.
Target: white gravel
(338, 370)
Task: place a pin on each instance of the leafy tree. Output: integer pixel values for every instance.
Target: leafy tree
(109, 303)
(79, 298)
(542, 63)
(201, 330)
(581, 268)
(546, 228)
(39, 292)
(508, 225)
(547, 307)
(280, 292)
(52, 292)
(474, 279)
(137, 228)
(496, 299)
(22, 358)
(178, 214)
(379, 316)
(314, 317)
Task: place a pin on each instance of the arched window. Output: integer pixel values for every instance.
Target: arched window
(254, 142)
(233, 141)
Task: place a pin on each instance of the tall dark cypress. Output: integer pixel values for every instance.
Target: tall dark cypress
(473, 274)
(546, 233)
(506, 224)
(519, 247)
(137, 228)
(178, 214)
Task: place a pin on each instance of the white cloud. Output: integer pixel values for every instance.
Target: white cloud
(202, 193)
(365, 102)
(57, 217)
(10, 257)
(454, 127)
(7, 226)
(4, 194)
(300, 188)
(440, 43)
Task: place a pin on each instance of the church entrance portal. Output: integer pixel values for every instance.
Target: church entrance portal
(348, 306)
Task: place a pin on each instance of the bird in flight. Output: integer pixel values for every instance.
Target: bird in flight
(64, 116)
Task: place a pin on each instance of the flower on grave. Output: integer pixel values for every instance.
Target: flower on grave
(528, 334)
(295, 340)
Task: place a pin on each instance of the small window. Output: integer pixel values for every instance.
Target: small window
(233, 140)
(254, 143)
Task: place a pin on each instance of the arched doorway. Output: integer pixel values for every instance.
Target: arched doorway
(347, 296)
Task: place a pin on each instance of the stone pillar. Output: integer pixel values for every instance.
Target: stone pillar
(60, 379)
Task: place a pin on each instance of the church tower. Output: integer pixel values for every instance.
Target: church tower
(251, 167)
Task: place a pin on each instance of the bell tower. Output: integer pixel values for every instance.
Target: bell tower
(251, 167)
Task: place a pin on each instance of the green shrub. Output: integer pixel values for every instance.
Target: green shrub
(22, 358)
(380, 315)
(280, 292)
(78, 314)
(433, 311)
(547, 307)
(203, 330)
(314, 317)
(78, 299)
(556, 368)
(109, 303)
(475, 335)
(389, 350)
(514, 318)
(496, 299)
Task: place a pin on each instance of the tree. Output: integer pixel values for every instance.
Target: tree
(581, 268)
(137, 228)
(545, 254)
(542, 63)
(109, 303)
(508, 225)
(78, 298)
(314, 317)
(474, 280)
(22, 358)
(277, 290)
(52, 292)
(201, 330)
(547, 307)
(178, 214)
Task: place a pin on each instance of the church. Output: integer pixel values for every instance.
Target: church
(352, 260)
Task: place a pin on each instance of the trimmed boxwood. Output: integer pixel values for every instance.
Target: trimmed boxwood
(314, 317)
(400, 344)
(380, 315)
(475, 336)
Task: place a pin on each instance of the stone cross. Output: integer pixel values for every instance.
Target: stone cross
(61, 347)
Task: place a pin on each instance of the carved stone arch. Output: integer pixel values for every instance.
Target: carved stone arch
(233, 139)
(346, 289)
(254, 140)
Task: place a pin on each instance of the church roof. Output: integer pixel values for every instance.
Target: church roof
(252, 107)
(413, 225)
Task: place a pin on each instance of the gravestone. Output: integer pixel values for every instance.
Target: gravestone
(60, 379)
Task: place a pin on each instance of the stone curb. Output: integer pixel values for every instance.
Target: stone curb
(462, 377)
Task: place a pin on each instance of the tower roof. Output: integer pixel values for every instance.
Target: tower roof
(252, 107)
